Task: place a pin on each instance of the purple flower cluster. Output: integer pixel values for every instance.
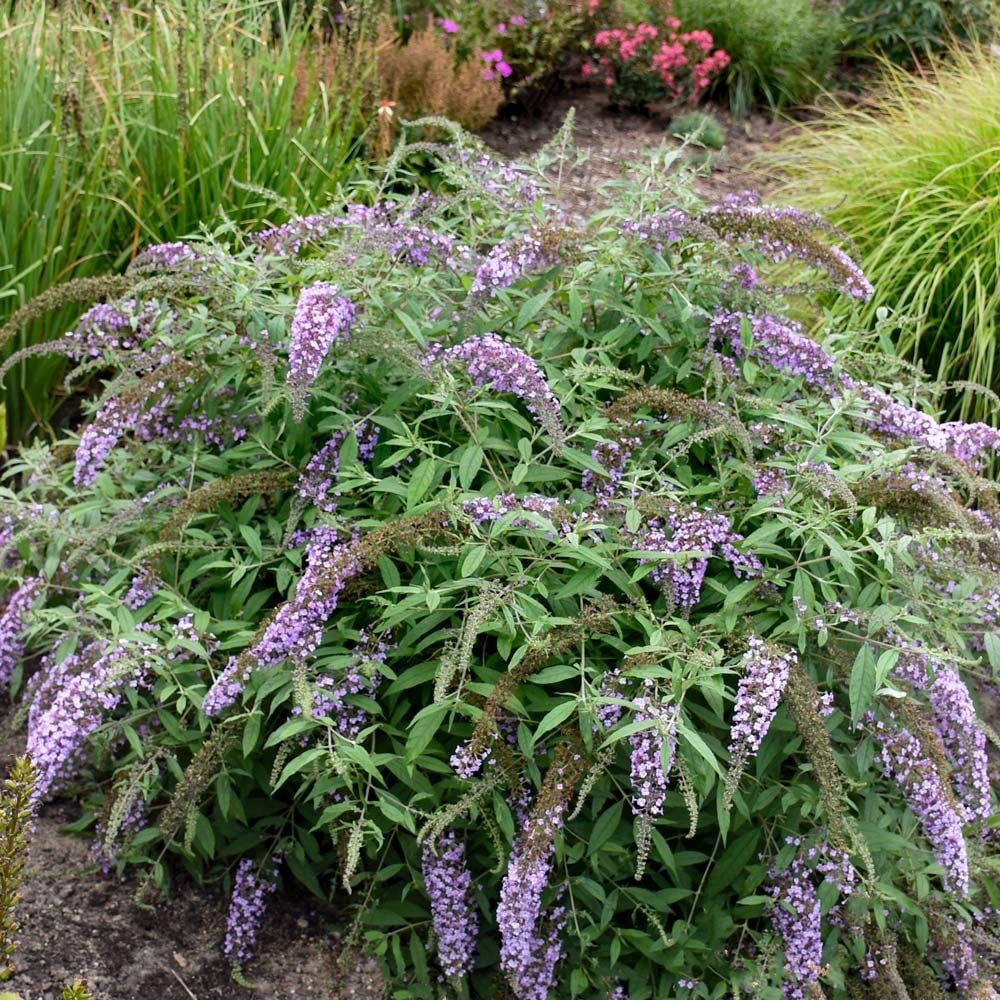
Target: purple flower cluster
(652, 754)
(288, 240)
(797, 920)
(903, 759)
(613, 685)
(487, 510)
(146, 415)
(296, 630)
(332, 694)
(176, 257)
(104, 854)
(501, 367)
(613, 456)
(771, 231)
(12, 625)
(964, 742)
(106, 327)
(322, 317)
(959, 960)
(100, 437)
(509, 261)
(530, 938)
(449, 888)
(890, 418)
(770, 482)
(780, 343)
(385, 227)
(246, 911)
(507, 185)
(467, 764)
(688, 529)
(70, 703)
(745, 276)
(659, 230)
(893, 419)
(317, 486)
(967, 442)
(144, 587)
(765, 670)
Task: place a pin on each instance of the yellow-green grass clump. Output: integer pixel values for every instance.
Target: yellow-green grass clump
(915, 181)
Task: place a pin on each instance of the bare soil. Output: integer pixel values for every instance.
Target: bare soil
(615, 140)
(77, 924)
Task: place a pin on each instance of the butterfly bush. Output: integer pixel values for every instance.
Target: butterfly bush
(474, 602)
(493, 363)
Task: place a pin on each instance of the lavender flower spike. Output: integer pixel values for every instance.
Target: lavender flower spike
(509, 261)
(964, 742)
(322, 317)
(765, 674)
(902, 757)
(449, 885)
(651, 759)
(70, 704)
(296, 630)
(12, 625)
(796, 919)
(246, 912)
(502, 367)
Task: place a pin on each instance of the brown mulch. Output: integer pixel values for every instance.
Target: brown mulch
(615, 140)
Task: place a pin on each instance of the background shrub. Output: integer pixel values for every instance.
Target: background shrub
(781, 53)
(914, 180)
(145, 126)
(479, 566)
(904, 31)
(424, 78)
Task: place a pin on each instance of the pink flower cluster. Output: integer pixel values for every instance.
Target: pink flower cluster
(643, 62)
(495, 64)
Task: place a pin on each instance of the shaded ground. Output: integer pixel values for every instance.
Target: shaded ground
(74, 923)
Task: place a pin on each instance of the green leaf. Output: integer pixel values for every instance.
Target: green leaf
(734, 860)
(555, 717)
(468, 467)
(300, 763)
(861, 689)
(604, 828)
(420, 482)
(252, 537)
(690, 738)
(530, 309)
(992, 641)
(251, 733)
(473, 560)
(422, 731)
(575, 304)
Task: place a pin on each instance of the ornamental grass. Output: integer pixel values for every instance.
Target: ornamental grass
(914, 178)
(143, 125)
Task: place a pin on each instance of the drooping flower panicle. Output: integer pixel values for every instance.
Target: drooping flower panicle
(449, 888)
(493, 363)
(247, 906)
(323, 316)
(12, 625)
(903, 759)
